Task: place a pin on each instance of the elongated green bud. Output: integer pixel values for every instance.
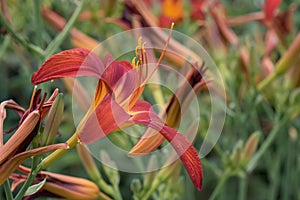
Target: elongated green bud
(88, 162)
(53, 121)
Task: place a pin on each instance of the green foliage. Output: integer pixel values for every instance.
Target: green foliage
(272, 172)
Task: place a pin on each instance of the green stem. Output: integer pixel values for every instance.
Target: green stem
(4, 46)
(243, 184)
(160, 178)
(104, 186)
(7, 190)
(211, 166)
(38, 22)
(49, 160)
(287, 179)
(35, 49)
(117, 194)
(56, 42)
(220, 185)
(153, 187)
(266, 144)
(274, 178)
(35, 168)
(267, 81)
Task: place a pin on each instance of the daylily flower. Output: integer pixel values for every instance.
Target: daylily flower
(59, 185)
(116, 103)
(13, 152)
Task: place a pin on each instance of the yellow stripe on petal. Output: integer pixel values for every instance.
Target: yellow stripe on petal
(101, 91)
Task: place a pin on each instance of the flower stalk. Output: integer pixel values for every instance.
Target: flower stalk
(91, 168)
(31, 47)
(49, 160)
(56, 42)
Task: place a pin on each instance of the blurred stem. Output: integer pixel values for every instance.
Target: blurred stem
(31, 47)
(278, 124)
(287, 179)
(211, 166)
(56, 42)
(4, 46)
(220, 185)
(7, 190)
(38, 22)
(92, 169)
(153, 187)
(117, 194)
(243, 184)
(158, 180)
(104, 186)
(35, 168)
(267, 81)
(218, 150)
(275, 179)
(103, 196)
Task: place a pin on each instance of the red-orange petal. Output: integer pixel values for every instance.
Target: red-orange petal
(69, 63)
(106, 117)
(144, 114)
(114, 70)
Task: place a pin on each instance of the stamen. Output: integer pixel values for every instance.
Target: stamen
(137, 51)
(133, 62)
(32, 97)
(139, 46)
(140, 41)
(162, 54)
(143, 47)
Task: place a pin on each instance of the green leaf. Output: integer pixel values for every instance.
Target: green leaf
(35, 188)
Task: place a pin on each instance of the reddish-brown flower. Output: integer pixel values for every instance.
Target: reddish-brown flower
(13, 152)
(116, 103)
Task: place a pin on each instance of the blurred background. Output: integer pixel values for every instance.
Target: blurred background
(257, 155)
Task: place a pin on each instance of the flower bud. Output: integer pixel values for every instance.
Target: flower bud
(249, 148)
(70, 187)
(88, 162)
(293, 133)
(13, 144)
(235, 156)
(53, 121)
(136, 186)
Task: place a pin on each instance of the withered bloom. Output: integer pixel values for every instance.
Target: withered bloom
(13, 152)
